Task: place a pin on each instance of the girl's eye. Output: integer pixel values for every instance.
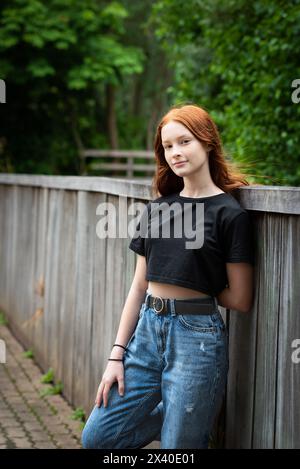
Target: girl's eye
(182, 141)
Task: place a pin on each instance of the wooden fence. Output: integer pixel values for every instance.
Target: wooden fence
(63, 290)
(126, 161)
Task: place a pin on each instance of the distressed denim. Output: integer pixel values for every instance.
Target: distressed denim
(175, 372)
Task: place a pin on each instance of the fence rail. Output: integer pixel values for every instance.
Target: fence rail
(131, 167)
(63, 289)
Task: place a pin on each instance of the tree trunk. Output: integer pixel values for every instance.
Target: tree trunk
(111, 122)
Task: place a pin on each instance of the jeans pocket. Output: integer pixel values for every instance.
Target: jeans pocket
(141, 312)
(130, 341)
(143, 307)
(198, 323)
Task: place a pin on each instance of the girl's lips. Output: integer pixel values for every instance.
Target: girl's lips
(180, 163)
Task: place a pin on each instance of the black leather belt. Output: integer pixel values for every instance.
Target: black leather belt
(202, 306)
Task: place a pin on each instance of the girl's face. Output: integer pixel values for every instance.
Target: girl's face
(181, 146)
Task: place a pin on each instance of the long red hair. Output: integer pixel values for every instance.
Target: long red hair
(224, 173)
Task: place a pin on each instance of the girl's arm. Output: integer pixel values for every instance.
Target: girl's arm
(239, 293)
(131, 308)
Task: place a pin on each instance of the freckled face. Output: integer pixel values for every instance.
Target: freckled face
(183, 152)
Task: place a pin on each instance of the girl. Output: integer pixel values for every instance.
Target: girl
(169, 381)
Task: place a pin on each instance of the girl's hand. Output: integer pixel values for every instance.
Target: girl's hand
(114, 372)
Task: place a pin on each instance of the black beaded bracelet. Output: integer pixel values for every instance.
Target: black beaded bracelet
(118, 345)
(116, 359)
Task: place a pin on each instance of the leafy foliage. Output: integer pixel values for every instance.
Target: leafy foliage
(57, 58)
(63, 61)
(238, 59)
(64, 41)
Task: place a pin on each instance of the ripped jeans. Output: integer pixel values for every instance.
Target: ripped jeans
(175, 371)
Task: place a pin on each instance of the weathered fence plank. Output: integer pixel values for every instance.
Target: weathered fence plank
(287, 422)
(267, 333)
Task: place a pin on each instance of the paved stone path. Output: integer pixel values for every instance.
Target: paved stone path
(28, 420)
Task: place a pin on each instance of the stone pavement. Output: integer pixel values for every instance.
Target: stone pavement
(28, 420)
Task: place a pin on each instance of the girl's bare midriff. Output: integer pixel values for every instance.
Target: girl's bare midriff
(165, 290)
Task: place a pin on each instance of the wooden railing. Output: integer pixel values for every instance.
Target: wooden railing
(131, 167)
(63, 290)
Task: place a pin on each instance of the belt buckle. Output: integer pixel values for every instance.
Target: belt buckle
(154, 304)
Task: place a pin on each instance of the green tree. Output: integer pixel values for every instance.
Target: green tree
(238, 59)
(60, 60)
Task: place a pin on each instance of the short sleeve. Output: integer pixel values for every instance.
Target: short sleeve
(239, 239)
(137, 243)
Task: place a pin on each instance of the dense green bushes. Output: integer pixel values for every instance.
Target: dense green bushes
(68, 63)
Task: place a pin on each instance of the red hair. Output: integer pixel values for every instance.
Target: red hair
(223, 172)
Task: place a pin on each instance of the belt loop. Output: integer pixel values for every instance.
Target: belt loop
(216, 304)
(147, 298)
(172, 306)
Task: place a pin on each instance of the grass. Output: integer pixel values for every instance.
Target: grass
(48, 378)
(3, 320)
(28, 354)
(79, 415)
(52, 390)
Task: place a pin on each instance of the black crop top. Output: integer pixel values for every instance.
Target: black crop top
(176, 257)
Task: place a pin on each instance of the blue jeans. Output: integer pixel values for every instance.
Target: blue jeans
(175, 372)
